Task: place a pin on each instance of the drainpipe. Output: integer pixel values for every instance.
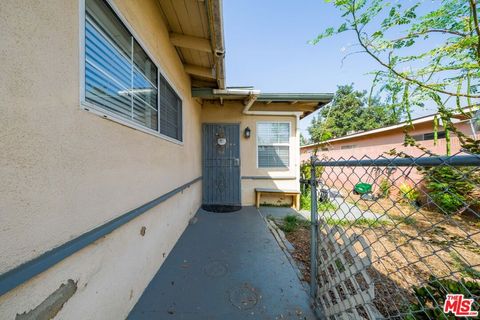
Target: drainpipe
(250, 101)
(239, 92)
(214, 9)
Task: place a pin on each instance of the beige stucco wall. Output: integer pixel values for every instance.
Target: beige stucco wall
(64, 170)
(231, 112)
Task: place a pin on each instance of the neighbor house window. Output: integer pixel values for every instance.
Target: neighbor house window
(429, 136)
(476, 121)
(273, 144)
(120, 77)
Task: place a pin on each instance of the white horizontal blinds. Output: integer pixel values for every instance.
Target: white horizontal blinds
(273, 133)
(170, 111)
(273, 144)
(273, 156)
(144, 88)
(119, 76)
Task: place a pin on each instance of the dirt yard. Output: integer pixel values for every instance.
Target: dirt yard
(407, 248)
(300, 239)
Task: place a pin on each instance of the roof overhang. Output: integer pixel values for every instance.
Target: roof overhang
(456, 118)
(305, 103)
(196, 31)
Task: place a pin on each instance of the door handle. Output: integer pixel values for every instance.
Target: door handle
(236, 162)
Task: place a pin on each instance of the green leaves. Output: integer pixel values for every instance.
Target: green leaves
(425, 47)
(450, 188)
(351, 111)
(329, 32)
(431, 297)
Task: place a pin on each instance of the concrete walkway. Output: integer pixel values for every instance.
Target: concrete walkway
(225, 266)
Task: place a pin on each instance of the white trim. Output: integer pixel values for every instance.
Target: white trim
(289, 144)
(82, 17)
(274, 113)
(97, 110)
(297, 145)
(105, 114)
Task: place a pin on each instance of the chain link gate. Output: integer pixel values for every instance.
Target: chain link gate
(392, 237)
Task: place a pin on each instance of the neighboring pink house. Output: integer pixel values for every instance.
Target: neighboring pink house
(377, 142)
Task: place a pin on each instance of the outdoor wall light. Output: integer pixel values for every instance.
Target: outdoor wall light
(247, 132)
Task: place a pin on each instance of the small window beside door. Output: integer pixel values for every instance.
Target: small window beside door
(273, 144)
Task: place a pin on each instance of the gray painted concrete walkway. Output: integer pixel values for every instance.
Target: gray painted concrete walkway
(225, 266)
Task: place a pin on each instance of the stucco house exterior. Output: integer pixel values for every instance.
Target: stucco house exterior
(374, 143)
(116, 127)
(379, 142)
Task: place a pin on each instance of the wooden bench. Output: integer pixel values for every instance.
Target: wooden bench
(293, 193)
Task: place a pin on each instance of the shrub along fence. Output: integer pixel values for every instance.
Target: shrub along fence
(388, 246)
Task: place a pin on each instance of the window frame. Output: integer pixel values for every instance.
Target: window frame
(289, 144)
(423, 136)
(106, 114)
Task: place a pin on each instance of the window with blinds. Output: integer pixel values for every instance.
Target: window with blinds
(273, 144)
(170, 111)
(120, 77)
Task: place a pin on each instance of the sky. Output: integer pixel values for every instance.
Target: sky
(267, 47)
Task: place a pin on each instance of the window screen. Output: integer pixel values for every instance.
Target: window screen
(418, 137)
(273, 144)
(170, 111)
(119, 75)
(429, 136)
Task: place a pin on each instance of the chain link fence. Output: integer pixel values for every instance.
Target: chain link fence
(395, 236)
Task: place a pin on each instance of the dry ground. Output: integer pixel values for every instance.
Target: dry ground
(412, 245)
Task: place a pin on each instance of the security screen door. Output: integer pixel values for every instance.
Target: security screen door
(221, 164)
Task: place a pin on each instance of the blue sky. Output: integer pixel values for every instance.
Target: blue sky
(267, 47)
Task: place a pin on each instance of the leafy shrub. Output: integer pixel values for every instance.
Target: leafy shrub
(431, 297)
(326, 206)
(306, 203)
(291, 223)
(305, 170)
(409, 192)
(385, 186)
(447, 202)
(450, 188)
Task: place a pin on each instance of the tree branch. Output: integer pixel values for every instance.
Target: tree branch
(416, 34)
(348, 55)
(473, 8)
(395, 72)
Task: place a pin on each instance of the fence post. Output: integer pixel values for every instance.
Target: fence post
(313, 232)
